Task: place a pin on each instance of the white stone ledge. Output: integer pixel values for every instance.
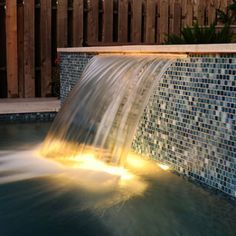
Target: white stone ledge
(155, 49)
(29, 105)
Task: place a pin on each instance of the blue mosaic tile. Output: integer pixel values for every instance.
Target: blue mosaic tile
(28, 117)
(189, 122)
(72, 66)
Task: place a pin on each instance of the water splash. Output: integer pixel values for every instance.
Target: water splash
(105, 185)
(104, 108)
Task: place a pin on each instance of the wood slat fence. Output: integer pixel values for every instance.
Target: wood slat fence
(31, 31)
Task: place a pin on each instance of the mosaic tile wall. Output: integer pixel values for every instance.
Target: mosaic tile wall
(190, 121)
(72, 66)
(28, 117)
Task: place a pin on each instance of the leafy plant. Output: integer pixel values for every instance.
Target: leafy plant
(201, 35)
(204, 35)
(229, 16)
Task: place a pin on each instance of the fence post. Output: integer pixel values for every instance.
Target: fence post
(29, 49)
(187, 13)
(176, 27)
(3, 72)
(11, 48)
(20, 45)
(123, 21)
(150, 21)
(45, 38)
(78, 22)
(62, 14)
(201, 9)
(164, 19)
(108, 21)
(211, 11)
(136, 21)
(92, 22)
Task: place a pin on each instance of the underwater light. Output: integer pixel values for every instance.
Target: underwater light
(89, 162)
(163, 166)
(89, 158)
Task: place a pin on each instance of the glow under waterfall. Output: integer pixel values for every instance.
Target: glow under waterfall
(102, 112)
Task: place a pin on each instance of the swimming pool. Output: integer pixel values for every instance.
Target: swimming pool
(52, 203)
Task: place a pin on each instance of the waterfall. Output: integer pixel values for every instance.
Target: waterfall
(103, 109)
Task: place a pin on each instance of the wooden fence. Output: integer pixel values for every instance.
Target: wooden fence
(31, 30)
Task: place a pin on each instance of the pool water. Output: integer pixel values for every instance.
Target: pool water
(51, 203)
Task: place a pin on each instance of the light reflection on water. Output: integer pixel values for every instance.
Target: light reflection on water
(56, 202)
(114, 184)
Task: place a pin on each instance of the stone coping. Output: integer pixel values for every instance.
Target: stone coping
(155, 49)
(29, 105)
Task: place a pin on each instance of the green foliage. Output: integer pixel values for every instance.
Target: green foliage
(201, 35)
(229, 16)
(205, 35)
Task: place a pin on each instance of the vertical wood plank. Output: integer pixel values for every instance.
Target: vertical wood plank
(217, 4)
(189, 15)
(158, 22)
(200, 14)
(187, 12)
(45, 36)
(164, 19)
(136, 21)
(210, 12)
(78, 22)
(62, 23)
(92, 22)
(11, 46)
(20, 42)
(108, 21)
(211, 9)
(176, 26)
(224, 4)
(150, 21)
(123, 21)
(195, 10)
(171, 13)
(3, 76)
(29, 46)
(183, 12)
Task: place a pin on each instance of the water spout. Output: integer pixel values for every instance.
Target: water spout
(104, 108)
